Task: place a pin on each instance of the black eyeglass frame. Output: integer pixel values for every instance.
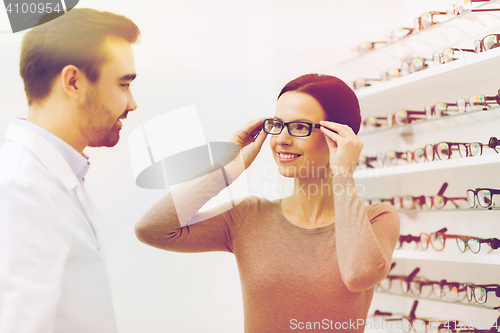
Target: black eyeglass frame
(471, 294)
(311, 126)
(476, 198)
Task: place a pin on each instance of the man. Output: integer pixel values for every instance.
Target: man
(77, 70)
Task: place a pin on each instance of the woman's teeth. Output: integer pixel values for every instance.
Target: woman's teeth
(287, 156)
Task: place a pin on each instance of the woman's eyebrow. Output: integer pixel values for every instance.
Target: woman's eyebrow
(301, 119)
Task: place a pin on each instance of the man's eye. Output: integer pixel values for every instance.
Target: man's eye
(126, 85)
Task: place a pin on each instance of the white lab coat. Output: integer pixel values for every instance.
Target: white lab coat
(52, 276)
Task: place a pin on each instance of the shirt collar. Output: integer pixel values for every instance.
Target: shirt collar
(78, 162)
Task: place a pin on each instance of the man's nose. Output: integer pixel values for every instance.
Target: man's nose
(131, 105)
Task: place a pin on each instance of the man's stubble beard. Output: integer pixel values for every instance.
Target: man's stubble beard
(95, 126)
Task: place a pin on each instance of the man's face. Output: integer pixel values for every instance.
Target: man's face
(109, 99)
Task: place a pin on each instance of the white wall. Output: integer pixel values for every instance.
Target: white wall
(230, 58)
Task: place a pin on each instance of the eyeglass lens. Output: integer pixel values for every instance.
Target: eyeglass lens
(472, 244)
(490, 42)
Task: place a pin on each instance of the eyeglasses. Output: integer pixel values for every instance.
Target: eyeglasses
(366, 160)
(425, 239)
(400, 117)
(390, 74)
(438, 110)
(482, 197)
(438, 239)
(426, 202)
(450, 290)
(412, 324)
(410, 202)
(397, 34)
(441, 151)
(474, 244)
(461, 7)
(479, 293)
(362, 82)
(426, 20)
(295, 128)
(447, 55)
(414, 65)
(386, 284)
(487, 43)
(416, 287)
(365, 47)
(445, 150)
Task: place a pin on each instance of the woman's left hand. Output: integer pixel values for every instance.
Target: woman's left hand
(345, 147)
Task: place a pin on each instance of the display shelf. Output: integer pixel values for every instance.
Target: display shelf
(429, 254)
(458, 32)
(441, 300)
(459, 119)
(392, 48)
(457, 79)
(426, 166)
(448, 210)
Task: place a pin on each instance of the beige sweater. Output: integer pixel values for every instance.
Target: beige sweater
(293, 279)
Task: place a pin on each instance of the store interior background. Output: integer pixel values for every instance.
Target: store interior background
(230, 58)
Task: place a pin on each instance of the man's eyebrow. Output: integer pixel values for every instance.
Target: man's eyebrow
(128, 77)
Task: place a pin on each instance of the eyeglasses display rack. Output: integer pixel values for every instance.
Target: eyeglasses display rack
(470, 74)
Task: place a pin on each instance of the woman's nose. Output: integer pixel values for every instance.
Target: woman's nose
(284, 138)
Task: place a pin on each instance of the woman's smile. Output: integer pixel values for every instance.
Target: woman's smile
(285, 157)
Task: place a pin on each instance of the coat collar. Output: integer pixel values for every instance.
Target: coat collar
(48, 155)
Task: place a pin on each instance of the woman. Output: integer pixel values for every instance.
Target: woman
(309, 261)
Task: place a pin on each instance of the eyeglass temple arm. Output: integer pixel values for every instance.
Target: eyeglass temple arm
(412, 274)
(319, 126)
(413, 309)
(380, 313)
(465, 50)
(442, 189)
(486, 10)
(392, 266)
(410, 112)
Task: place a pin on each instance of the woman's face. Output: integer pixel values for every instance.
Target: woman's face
(300, 156)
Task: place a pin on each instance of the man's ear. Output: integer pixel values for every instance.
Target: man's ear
(73, 82)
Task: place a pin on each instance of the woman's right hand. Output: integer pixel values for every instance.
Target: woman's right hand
(249, 139)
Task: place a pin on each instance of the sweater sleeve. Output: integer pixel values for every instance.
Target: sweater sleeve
(365, 238)
(174, 224)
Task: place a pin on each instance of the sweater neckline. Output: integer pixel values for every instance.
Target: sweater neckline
(295, 228)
